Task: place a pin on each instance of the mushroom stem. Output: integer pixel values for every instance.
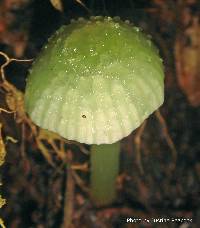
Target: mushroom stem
(104, 170)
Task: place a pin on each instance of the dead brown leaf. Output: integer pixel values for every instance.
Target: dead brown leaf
(187, 52)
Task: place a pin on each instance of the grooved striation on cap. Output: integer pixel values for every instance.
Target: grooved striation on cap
(95, 81)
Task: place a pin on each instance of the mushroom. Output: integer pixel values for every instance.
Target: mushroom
(95, 82)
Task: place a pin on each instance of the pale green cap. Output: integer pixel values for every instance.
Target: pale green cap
(95, 81)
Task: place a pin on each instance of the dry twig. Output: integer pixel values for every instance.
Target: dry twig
(80, 182)
(137, 141)
(167, 137)
(69, 195)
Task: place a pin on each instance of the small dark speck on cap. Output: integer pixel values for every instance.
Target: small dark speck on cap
(84, 116)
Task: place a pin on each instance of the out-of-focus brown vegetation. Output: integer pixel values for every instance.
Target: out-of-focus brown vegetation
(45, 177)
(2, 159)
(9, 33)
(187, 52)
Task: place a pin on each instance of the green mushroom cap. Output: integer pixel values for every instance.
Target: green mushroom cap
(95, 81)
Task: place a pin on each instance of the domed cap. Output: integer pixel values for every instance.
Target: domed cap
(95, 81)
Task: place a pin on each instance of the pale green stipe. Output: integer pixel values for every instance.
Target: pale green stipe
(104, 170)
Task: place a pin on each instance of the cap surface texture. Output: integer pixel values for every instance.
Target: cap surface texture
(95, 81)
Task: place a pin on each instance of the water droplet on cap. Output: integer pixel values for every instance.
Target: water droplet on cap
(116, 18)
(136, 29)
(98, 18)
(92, 18)
(116, 25)
(149, 42)
(81, 19)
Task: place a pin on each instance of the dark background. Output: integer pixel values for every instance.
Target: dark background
(159, 175)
